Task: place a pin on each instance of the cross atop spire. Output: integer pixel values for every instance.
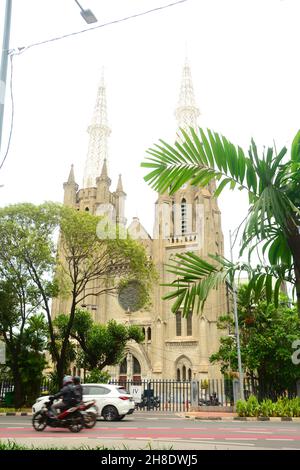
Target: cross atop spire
(99, 132)
(187, 111)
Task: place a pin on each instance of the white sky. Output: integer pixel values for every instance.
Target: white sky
(244, 56)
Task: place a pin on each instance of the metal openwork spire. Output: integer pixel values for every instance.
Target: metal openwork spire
(99, 132)
(187, 112)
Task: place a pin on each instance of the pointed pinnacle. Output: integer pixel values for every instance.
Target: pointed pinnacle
(120, 185)
(104, 174)
(71, 179)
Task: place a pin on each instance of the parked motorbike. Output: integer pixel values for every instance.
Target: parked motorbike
(72, 418)
(213, 401)
(150, 403)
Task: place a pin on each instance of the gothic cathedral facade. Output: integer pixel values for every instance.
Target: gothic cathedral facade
(174, 347)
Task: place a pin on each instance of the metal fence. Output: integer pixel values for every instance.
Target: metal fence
(173, 395)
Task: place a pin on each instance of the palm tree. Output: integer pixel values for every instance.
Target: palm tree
(272, 222)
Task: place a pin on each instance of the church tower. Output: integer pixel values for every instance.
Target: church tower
(187, 221)
(96, 196)
(190, 220)
(99, 132)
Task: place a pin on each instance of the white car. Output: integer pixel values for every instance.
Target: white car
(112, 401)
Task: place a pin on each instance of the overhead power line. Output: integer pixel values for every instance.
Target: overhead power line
(20, 50)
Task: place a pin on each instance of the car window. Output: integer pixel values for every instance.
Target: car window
(98, 390)
(122, 391)
(85, 390)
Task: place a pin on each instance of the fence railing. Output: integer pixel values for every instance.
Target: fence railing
(172, 395)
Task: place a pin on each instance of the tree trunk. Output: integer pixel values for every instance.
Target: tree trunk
(293, 240)
(60, 369)
(19, 398)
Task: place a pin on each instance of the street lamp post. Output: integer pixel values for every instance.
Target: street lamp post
(4, 61)
(87, 15)
(236, 324)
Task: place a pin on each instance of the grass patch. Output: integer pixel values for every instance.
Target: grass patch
(12, 445)
(15, 410)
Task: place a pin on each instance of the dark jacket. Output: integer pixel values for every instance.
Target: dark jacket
(78, 392)
(67, 393)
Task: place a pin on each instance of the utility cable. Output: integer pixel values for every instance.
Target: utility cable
(20, 50)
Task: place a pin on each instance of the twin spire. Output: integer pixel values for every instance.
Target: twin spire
(99, 130)
(187, 112)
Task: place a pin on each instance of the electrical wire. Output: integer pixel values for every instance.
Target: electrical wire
(12, 112)
(21, 50)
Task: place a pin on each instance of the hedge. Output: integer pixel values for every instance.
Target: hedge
(284, 407)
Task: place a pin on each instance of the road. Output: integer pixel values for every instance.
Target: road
(160, 431)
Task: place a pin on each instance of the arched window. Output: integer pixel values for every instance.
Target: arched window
(178, 375)
(123, 367)
(136, 366)
(87, 209)
(189, 324)
(183, 373)
(190, 374)
(144, 333)
(149, 334)
(183, 217)
(178, 324)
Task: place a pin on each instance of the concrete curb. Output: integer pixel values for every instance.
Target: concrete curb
(17, 413)
(241, 418)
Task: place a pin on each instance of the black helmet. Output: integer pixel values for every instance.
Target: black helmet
(76, 379)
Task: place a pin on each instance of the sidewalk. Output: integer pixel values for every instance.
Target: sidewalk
(223, 416)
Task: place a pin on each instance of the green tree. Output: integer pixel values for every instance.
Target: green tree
(99, 345)
(81, 258)
(24, 333)
(266, 335)
(272, 221)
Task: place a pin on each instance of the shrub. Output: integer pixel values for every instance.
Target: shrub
(252, 406)
(283, 407)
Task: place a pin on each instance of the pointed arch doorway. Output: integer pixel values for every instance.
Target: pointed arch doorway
(130, 369)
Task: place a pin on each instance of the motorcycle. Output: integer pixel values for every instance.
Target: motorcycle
(72, 418)
(213, 401)
(149, 403)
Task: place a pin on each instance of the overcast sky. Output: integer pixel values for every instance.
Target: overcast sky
(244, 57)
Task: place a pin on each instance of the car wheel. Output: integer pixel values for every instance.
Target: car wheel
(110, 413)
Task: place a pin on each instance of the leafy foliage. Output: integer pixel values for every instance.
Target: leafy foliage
(99, 345)
(97, 376)
(266, 336)
(283, 407)
(272, 221)
(29, 263)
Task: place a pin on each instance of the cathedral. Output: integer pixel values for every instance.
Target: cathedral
(174, 347)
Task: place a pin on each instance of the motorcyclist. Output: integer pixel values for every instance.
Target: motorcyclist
(67, 394)
(77, 388)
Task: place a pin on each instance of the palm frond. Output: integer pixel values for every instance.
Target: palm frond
(198, 157)
(196, 278)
